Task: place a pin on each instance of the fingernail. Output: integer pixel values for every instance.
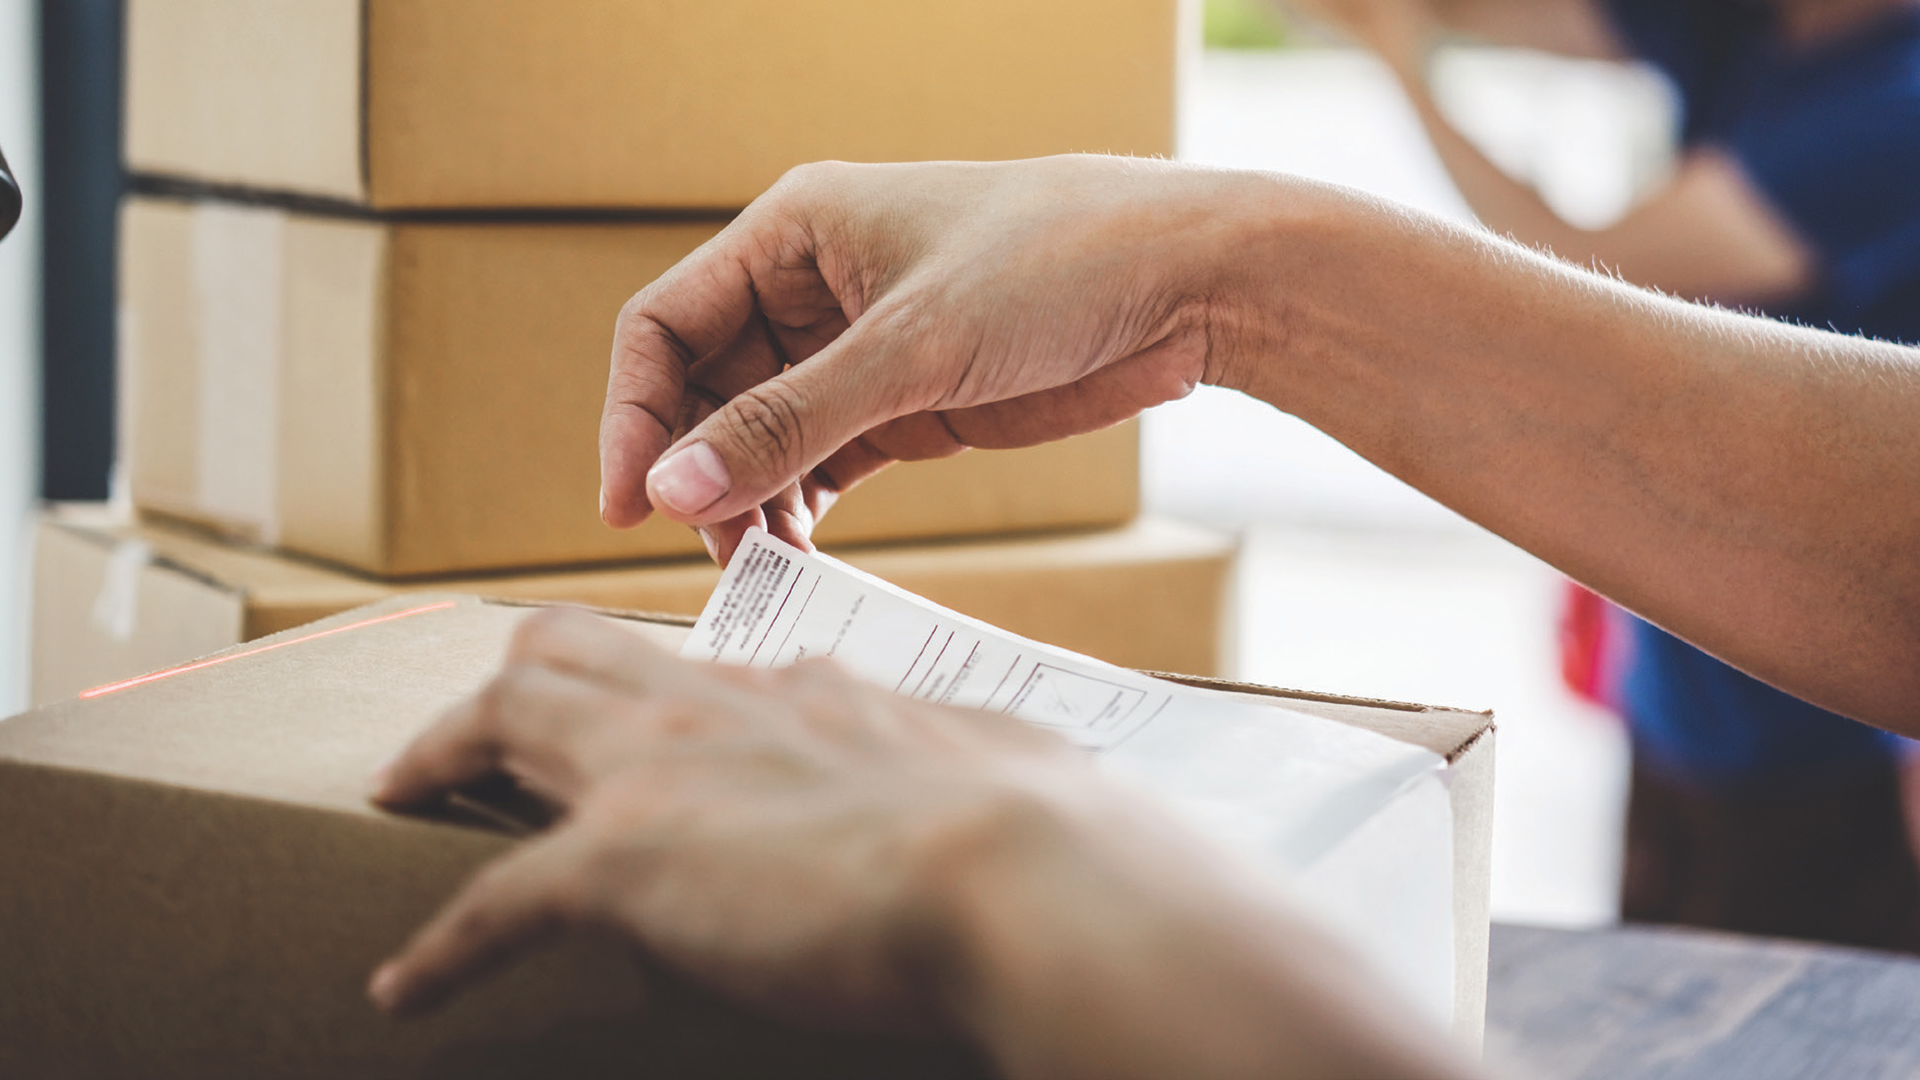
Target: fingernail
(691, 480)
(713, 549)
(603, 502)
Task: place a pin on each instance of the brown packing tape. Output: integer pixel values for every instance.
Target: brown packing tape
(195, 885)
(435, 389)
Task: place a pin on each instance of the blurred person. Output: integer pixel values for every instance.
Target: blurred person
(1796, 193)
(834, 854)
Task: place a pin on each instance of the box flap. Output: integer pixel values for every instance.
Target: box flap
(304, 716)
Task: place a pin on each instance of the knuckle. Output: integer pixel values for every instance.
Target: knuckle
(683, 720)
(504, 902)
(515, 686)
(810, 174)
(814, 671)
(535, 629)
(496, 702)
(766, 419)
(562, 896)
(634, 310)
(819, 682)
(541, 633)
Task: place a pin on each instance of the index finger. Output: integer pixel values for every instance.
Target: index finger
(693, 309)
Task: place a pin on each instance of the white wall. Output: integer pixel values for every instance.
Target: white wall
(19, 344)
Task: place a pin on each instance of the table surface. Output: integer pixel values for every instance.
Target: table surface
(1652, 1002)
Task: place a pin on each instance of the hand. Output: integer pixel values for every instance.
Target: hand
(857, 315)
(833, 854)
(781, 836)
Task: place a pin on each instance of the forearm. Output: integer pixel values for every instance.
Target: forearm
(1114, 953)
(1755, 488)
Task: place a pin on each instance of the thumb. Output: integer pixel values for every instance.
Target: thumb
(775, 432)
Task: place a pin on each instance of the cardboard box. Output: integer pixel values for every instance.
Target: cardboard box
(627, 103)
(423, 397)
(195, 886)
(114, 599)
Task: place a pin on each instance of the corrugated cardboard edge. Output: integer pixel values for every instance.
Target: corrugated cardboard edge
(1485, 716)
(663, 618)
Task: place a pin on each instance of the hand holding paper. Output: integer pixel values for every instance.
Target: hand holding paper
(805, 347)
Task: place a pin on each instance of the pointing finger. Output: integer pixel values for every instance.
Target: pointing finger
(517, 902)
(691, 311)
(769, 436)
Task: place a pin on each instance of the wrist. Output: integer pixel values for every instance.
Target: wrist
(1028, 911)
(981, 884)
(1275, 292)
(1092, 936)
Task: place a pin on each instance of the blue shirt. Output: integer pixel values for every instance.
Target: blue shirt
(1830, 137)
(1829, 134)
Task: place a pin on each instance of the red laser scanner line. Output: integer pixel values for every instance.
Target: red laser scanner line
(110, 688)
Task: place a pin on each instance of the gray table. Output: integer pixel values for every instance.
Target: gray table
(1626, 1003)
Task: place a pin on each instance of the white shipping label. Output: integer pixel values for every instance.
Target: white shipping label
(1292, 784)
(1359, 824)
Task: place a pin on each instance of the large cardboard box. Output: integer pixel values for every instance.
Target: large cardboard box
(194, 885)
(112, 599)
(627, 103)
(423, 397)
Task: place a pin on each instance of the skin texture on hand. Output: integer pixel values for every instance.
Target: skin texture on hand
(1752, 487)
(854, 316)
(770, 832)
(834, 854)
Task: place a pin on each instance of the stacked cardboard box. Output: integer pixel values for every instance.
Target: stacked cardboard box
(369, 279)
(412, 398)
(369, 285)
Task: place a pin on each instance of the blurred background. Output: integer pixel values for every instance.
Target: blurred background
(1350, 582)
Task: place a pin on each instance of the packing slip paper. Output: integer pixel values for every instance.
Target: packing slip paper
(1357, 823)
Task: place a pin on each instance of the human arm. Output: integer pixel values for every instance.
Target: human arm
(834, 854)
(1751, 486)
(1705, 233)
